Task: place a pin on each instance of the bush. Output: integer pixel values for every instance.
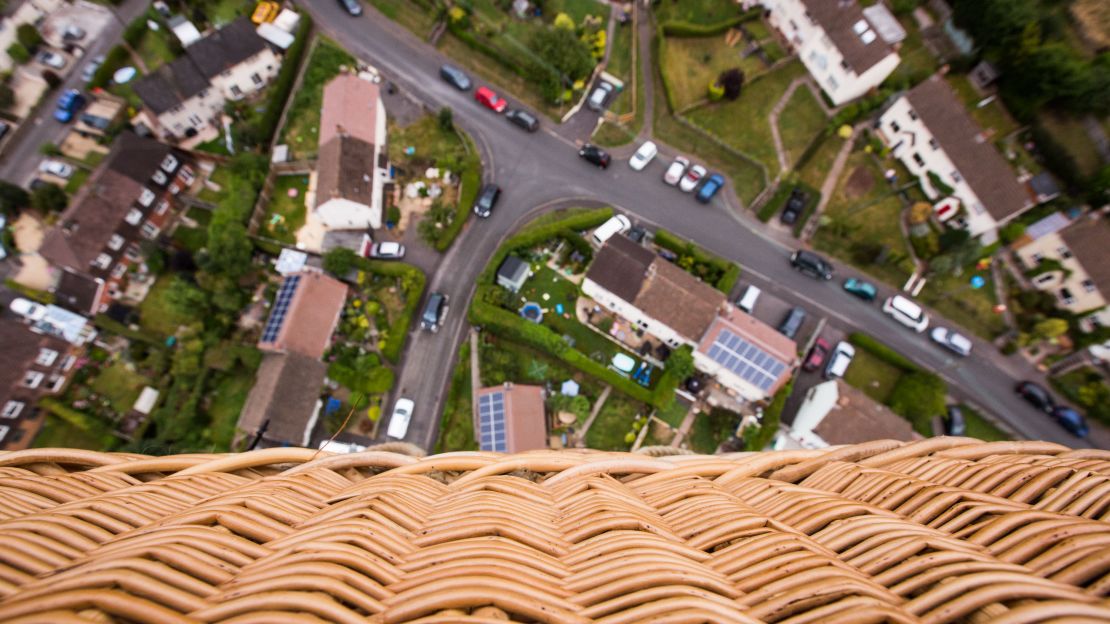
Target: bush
(677, 28)
(28, 36)
(49, 198)
(732, 81)
(412, 283)
(19, 53)
(919, 396)
(716, 91)
(469, 185)
(116, 58)
(883, 352)
(44, 297)
(339, 261)
(52, 79)
(1011, 232)
(721, 273)
(446, 119)
(263, 129)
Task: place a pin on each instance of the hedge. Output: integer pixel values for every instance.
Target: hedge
(772, 417)
(109, 324)
(395, 339)
(660, 51)
(117, 57)
(480, 46)
(80, 420)
(730, 271)
(548, 226)
(469, 185)
(677, 28)
(283, 84)
(44, 297)
(883, 352)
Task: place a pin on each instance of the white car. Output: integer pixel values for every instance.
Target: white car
(90, 68)
(56, 168)
(28, 309)
(692, 178)
(399, 421)
(51, 59)
(618, 224)
(600, 96)
(957, 343)
(906, 312)
(676, 170)
(838, 363)
(387, 250)
(643, 156)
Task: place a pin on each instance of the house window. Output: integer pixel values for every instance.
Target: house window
(833, 84)
(236, 91)
(119, 270)
(933, 144)
(1066, 296)
(103, 261)
(46, 357)
(159, 178)
(4, 429)
(895, 127)
(1064, 252)
(32, 379)
(68, 362)
(1088, 286)
(918, 159)
(146, 198)
(132, 253)
(134, 216)
(195, 120)
(1037, 257)
(256, 79)
(169, 163)
(956, 177)
(150, 230)
(56, 382)
(12, 409)
(1043, 279)
(187, 176)
(163, 206)
(845, 66)
(115, 242)
(913, 115)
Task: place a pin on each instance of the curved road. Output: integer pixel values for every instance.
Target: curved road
(538, 171)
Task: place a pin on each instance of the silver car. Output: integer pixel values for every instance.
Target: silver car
(600, 96)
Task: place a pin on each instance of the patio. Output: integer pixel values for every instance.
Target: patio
(592, 315)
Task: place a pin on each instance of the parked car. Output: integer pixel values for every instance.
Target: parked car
(453, 75)
(709, 188)
(863, 290)
(1036, 395)
(73, 33)
(906, 312)
(434, 311)
(675, 172)
(792, 322)
(4, 127)
(594, 154)
(399, 421)
(28, 309)
(487, 198)
(811, 263)
(746, 302)
(817, 355)
(90, 68)
(68, 104)
(51, 59)
(954, 342)
(600, 96)
(617, 224)
(840, 360)
(490, 100)
(387, 250)
(1071, 420)
(352, 7)
(56, 168)
(524, 119)
(794, 206)
(643, 156)
(693, 176)
(637, 234)
(954, 424)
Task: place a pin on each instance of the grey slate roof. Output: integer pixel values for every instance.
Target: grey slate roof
(285, 392)
(620, 267)
(226, 48)
(512, 269)
(837, 17)
(170, 85)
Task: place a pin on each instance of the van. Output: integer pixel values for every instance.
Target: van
(747, 302)
(793, 322)
(619, 224)
(906, 312)
(433, 312)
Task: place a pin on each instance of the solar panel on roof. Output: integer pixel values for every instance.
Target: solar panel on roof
(491, 423)
(746, 360)
(280, 308)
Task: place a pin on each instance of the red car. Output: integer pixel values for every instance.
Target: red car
(817, 355)
(490, 100)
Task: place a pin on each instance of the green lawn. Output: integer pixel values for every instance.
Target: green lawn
(970, 308)
(154, 49)
(711, 429)
(302, 125)
(406, 13)
(216, 146)
(577, 10)
(190, 239)
(456, 427)
(981, 428)
(221, 12)
(674, 414)
(155, 313)
(434, 146)
(816, 169)
(801, 121)
(77, 180)
(612, 134)
(119, 385)
(992, 117)
(691, 63)
(285, 214)
(743, 123)
(225, 400)
(221, 176)
(1070, 135)
(59, 433)
(614, 422)
(875, 377)
(861, 223)
(703, 12)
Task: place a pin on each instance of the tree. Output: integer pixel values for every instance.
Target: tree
(28, 36)
(185, 298)
(446, 119)
(732, 81)
(1050, 329)
(681, 362)
(7, 96)
(12, 198)
(229, 251)
(18, 52)
(1011, 232)
(49, 198)
(563, 58)
(339, 261)
(920, 212)
(919, 397)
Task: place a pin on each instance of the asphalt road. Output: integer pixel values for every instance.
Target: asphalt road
(541, 170)
(20, 159)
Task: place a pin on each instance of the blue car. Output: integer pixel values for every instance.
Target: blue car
(1071, 420)
(710, 187)
(68, 105)
(863, 290)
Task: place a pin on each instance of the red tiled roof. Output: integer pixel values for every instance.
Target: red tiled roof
(525, 422)
(312, 316)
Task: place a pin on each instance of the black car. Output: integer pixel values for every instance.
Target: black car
(811, 263)
(453, 75)
(487, 198)
(1037, 396)
(594, 154)
(954, 424)
(524, 119)
(637, 234)
(794, 206)
(793, 322)
(351, 6)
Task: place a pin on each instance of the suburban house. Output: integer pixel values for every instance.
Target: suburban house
(834, 413)
(35, 365)
(511, 418)
(513, 272)
(847, 51)
(128, 200)
(27, 12)
(746, 356)
(931, 133)
(352, 165)
(184, 99)
(1068, 259)
(284, 404)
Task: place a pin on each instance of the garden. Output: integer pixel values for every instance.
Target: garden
(302, 127)
(285, 212)
(627, 107)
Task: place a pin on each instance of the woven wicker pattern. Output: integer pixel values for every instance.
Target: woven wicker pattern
(942, 530)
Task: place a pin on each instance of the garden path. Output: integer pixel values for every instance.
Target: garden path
(475, 377)
(829, 185)
(593, 415)
(686, 426)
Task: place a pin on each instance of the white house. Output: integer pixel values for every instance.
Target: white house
(931, 133)
(185, 98)
(847, 52)
(834, 413)
(353, 165)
